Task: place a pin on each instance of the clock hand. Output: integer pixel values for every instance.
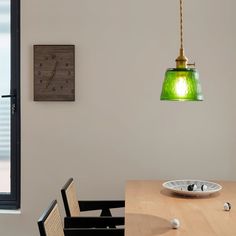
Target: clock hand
(52, 75)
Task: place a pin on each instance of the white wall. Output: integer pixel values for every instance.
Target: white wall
(118, 129)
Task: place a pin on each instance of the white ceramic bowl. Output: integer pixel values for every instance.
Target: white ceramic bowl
(181, 187)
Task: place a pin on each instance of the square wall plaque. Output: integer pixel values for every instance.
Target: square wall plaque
(54, 72)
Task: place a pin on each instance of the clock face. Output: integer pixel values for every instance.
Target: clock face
(54, 73)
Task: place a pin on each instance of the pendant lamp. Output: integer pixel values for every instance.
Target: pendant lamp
(181, 83)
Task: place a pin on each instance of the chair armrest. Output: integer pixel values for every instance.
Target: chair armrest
(94, 232)
(99, 205)
(89, 222)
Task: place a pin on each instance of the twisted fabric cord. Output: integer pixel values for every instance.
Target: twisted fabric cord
(181, 24)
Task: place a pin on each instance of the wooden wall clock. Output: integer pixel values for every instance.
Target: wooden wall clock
(54, 72)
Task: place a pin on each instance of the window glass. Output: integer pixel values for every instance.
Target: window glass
(5, 117)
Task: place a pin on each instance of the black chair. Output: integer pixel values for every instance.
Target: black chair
(73, 207)
(50, 225)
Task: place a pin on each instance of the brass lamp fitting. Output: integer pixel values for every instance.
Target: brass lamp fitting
(181, 60)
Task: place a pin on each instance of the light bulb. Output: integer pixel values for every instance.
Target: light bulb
(181, 87)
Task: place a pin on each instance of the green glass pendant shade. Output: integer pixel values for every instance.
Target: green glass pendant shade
(181, 84)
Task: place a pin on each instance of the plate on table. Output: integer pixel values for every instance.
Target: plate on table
(191, 187)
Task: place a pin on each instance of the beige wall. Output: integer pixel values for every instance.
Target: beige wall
(117, 129)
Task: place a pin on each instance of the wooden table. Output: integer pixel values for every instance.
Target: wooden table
(149, 209)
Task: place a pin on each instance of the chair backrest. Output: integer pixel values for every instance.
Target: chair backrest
(70, 199)
(50, 223)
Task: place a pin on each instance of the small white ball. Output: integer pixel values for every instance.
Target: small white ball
(175, 223)
(203, 187)
(194, 187)
(227, 206)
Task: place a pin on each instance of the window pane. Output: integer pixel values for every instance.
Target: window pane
(4, 102)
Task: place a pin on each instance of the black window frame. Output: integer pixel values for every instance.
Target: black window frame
(12, 200)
